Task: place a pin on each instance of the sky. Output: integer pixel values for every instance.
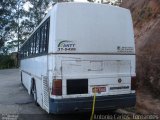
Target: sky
(28, 5)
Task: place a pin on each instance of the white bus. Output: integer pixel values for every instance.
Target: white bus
(79, 49)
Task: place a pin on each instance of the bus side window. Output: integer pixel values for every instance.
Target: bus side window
(32, 46)
(29, 47)
(37, 41)
(34, 43)
(42, 39)
(47, 36)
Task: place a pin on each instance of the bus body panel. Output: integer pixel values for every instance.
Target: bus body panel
(88, 28)
(99, 70)
(74, 105)
(34, 68)
(78, 66)
(90, 46)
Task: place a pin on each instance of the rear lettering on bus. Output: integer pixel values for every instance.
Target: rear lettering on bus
(66, 45)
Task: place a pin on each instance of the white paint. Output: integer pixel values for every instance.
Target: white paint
(94, 28)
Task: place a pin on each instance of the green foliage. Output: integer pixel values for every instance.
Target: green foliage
(16, 23)
(37, 13)
(6, 62)
(7, 20)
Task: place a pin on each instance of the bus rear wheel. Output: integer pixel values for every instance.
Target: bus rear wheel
(34, 92)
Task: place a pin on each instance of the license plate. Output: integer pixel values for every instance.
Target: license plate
(98, 89)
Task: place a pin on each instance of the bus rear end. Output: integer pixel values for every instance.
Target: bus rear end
(94, 55)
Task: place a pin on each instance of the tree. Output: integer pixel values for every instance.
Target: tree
(1, 42)
(7, 20)
(32, 17)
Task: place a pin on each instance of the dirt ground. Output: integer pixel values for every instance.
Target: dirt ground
(146, 103)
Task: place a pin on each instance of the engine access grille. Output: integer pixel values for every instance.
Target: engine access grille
(45, 94)
(77, 86)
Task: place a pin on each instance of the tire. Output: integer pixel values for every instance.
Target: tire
(34, 92)
(21, 79)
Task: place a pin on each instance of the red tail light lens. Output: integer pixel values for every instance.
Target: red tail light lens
(133, 83)
(57, 87)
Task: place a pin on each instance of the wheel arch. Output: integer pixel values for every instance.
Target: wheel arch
(33, 82)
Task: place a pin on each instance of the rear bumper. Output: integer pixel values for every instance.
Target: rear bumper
(71, 105)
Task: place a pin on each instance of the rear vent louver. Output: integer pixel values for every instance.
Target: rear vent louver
(45, 93)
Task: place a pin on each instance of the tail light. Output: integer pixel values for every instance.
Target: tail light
(57, 87)
(133, 83)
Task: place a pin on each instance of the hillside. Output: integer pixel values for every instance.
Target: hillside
(146, 19)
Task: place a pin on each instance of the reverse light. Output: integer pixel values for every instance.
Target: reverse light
(57, 87)
(133, 83)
